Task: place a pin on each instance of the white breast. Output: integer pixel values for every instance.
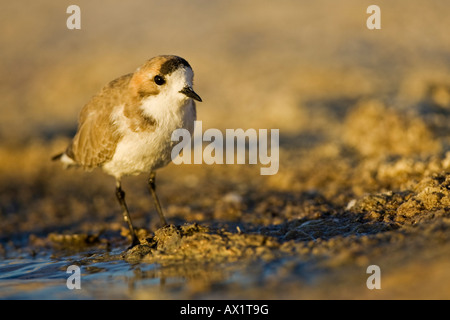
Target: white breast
(144, 152)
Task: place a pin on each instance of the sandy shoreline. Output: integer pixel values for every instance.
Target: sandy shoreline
(364, 153)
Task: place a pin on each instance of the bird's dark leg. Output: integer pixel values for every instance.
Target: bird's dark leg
(120, 194)
(152, 189)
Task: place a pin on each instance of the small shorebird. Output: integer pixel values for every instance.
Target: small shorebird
(126, 128)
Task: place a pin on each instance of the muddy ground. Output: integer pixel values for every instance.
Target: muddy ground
(363, 171)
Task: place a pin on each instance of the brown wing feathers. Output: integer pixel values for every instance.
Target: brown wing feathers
(97, 135)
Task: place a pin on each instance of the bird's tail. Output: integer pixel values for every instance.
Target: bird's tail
(65, 160)
(58, 156)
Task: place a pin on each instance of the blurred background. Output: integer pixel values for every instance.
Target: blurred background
(359, 111)
(256, 65)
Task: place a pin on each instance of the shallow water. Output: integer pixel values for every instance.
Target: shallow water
(45, 276)
(33, 279)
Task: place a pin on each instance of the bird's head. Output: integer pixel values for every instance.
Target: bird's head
(165, 77)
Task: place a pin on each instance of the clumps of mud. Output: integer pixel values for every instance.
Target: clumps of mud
(69, 242)
(431, 195)
(73, 240)
(430, 198)
(193, 243)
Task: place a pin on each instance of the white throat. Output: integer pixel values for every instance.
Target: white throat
(170, 102)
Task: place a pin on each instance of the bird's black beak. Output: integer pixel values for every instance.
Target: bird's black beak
(188, 91)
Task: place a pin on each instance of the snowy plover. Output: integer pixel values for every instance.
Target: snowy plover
(126, 128)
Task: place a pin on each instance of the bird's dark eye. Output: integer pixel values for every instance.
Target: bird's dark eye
(159, 80)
